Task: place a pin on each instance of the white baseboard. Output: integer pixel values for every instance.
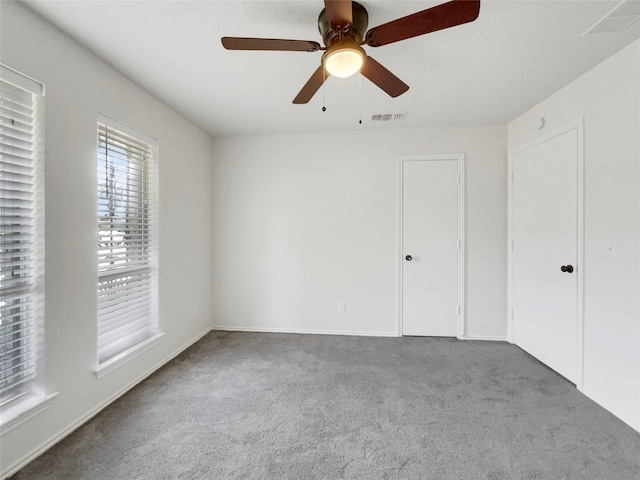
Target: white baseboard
(487, 338)
(633, 423)
(337, 332)
(50, 442)
(303, 331)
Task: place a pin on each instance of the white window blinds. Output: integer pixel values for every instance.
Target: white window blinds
(21, 237)
(127, 244)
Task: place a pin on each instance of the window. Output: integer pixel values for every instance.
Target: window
(21, 240)
(127, 246)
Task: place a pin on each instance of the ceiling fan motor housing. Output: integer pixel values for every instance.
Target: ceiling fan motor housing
(355, 30)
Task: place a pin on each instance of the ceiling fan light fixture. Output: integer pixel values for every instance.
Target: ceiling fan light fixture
(344, 62)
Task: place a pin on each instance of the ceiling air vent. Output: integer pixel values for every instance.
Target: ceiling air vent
(617, 20)
(387, 117)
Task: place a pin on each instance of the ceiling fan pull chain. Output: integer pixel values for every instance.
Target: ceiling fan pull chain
(360, 98)
(324, 81)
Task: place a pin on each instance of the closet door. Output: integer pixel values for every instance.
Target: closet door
(544, 229)
(430, 247)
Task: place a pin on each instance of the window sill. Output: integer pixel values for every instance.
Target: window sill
(115, 362)
(25, 410)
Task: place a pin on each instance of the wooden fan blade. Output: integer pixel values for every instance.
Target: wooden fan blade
(238, 43)
(339, 12)
(311, 87)
(433, 19)
(383, 78)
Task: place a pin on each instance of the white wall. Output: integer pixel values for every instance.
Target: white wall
(303, 221)
(608, 97)
(78, 87)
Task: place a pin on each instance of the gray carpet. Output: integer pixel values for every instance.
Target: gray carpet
(255, 405)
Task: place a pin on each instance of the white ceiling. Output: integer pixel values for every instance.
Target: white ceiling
(515, 54)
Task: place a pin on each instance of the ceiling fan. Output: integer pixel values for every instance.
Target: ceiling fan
(343, 23)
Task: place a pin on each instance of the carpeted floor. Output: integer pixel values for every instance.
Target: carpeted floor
(278, 406)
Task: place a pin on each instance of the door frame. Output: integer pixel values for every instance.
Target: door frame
(460, 159)
(578, 125)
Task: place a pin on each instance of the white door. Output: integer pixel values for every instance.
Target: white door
(430, 235)
(544, 252)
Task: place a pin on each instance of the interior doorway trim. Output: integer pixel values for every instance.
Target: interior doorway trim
(578, 126)
(460, 159)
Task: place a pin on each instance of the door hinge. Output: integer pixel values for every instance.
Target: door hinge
(458, 179)
(512, 314)
(512, 176)
(458, 309)
(459, 244)
(512, 244)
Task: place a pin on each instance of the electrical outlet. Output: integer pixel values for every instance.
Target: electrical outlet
(342, 307)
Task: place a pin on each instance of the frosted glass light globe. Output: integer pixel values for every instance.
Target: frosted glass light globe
(344, 62)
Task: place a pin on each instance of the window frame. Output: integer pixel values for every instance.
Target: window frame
(104, 366)
(31, 397)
